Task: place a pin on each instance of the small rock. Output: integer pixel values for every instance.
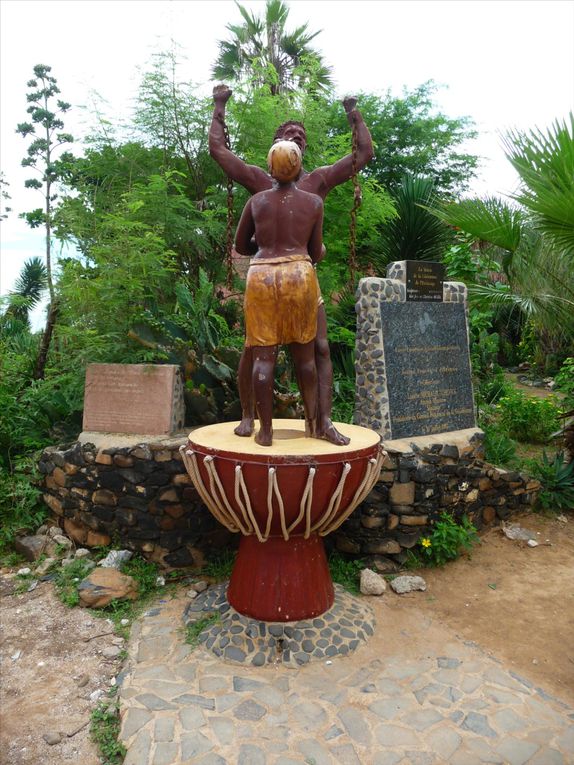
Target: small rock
(43, 567)
(41, 664)
(103, 585)
(33, 546)
(24, 572)
(54, 531)
(82, 552)
(200, 586)
(532, 543)
(191, 594)
(160, 581)
(403, 584)
(562, 518)
(52, 738)
(82, 681)
(16, 656)
(32, 586)
(63, 541)
(118, 641)
(67, 562)
(115, 558)
(372, 583)
(96, 695)
(124, 622)
(514, 531)
(111, 652)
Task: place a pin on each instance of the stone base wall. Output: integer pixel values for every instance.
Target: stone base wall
(140, 497)
(137, 497)
(424, 477)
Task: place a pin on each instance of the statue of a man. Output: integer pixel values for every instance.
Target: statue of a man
(320, 181)
(281, 291)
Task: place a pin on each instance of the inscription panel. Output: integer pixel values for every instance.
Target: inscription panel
(428, 368)
(129, 398)
(424, 281)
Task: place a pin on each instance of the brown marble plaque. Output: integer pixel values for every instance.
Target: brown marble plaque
(424, 281)
(133, 398)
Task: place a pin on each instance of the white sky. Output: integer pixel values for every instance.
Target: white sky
(506, 63)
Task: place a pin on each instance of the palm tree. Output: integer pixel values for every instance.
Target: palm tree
(531, 237)
(262, 50)
(26, 294)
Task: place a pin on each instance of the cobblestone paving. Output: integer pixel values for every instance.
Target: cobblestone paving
(455, 705)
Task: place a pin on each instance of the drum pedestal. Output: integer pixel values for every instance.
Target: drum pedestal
(281, 581)
(283, 499)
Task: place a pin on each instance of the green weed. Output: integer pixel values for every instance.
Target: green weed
(345, 571)
(446, 541)
(557, 479)
(194, 629)
(67, 580)
(104, 730)
(220, 566)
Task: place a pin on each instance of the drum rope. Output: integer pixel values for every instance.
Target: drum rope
(246, 508)
(273, 479)
(369, 480)
(190, 462)
(335, 499)
(214, 480)
(305, 506)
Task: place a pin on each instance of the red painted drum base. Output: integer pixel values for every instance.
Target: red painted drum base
(281, 581)
(283, 499)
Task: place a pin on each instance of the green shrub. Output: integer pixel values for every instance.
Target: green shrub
(565, 382)
(493, 388)
(499, 448)
(557, 479)
(20, 506)
(446, 540)
(105, 731)
(526, 418)
(346, 571)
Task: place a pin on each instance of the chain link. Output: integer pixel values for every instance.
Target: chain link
(357, 199)
(229, 226)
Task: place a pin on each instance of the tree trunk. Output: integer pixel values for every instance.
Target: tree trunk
(46, 341)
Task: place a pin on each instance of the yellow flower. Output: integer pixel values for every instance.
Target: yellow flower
(425, 542)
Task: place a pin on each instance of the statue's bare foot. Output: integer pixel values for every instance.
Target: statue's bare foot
(245, 427)
(264, 437)
(310, 429)
(328, 432)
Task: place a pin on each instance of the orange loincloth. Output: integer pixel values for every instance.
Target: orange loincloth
(281, 300)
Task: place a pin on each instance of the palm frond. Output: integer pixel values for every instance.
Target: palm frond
(489, 220)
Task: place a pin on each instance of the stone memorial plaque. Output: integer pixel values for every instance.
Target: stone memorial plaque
(427, 366)
(424, 281)
(133, 398)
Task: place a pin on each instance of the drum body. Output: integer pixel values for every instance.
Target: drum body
(282, 499)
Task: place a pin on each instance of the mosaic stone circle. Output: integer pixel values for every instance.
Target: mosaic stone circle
(244, 640)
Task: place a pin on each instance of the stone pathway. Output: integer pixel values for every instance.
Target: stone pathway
(410, 696)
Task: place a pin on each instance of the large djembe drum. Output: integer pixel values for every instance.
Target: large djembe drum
(283, 499)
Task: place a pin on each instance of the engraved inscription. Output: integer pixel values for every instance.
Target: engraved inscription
(428, 368)
(424, 281)
(130, 398)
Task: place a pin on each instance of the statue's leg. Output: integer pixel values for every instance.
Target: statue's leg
(306, 372)
(245, 385)
(264, 358)
(325, 428)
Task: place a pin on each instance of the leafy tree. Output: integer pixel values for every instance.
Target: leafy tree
(42, 156)
(412, 137)
(261, 50)
(4, 197)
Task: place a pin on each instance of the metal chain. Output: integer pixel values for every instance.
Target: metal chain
(229, 226)
(356, 204)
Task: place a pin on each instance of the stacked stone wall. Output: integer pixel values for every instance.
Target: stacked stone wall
(417, 486)
(141, 498)
(138, 497)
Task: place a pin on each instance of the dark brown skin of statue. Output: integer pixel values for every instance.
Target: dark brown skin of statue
(320, 181)
(284, 220)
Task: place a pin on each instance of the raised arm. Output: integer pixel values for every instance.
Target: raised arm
(341, 171)
(253, 178)
(245, 231)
